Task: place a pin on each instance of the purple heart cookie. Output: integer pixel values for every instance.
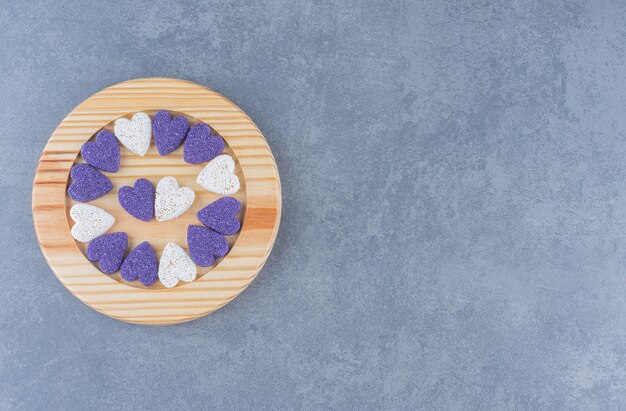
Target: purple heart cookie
(103, 153)
(220, 215)
(88, 183)
(201, 146)
(205, 245)
(169, 132)
(138, 201)
(109, 249)
(141, 263)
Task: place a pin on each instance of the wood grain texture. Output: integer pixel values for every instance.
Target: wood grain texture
(215, 286)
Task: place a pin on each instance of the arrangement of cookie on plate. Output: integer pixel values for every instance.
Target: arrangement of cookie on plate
(206, 241)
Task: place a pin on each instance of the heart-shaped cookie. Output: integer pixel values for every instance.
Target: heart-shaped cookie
(91, 222)
(201, 146)
(109, 250)
(171, 200)
(134, 134)
(138, 200)
(175, 265)
(205, 245)
(169, 132)
(141, 263)
(220, 215)
(219, 176)
(103, 153)
(88, 183)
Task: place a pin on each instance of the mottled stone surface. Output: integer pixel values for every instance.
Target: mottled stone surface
(454, 182)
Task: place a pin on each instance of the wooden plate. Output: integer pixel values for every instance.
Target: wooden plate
(215, 286)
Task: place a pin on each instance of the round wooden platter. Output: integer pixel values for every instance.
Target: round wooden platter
(215, 286)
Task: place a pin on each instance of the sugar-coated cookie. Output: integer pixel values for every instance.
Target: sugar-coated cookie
(141, 263)
(205, 245)
(108, 250)
(169, 132)
(90, 222)
(219, 176)
(134, 134)
(138, 200)
(221, 215)
(201, 146)
(103, 153)
(175, 265)
(171, 200)
(88, 183)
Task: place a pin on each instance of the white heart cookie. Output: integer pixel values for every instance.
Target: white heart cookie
(171, 200)
(174, 265)
(91, 222)
(134, 134)
(219, 176)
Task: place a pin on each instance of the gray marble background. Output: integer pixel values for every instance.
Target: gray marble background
(454, 221)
